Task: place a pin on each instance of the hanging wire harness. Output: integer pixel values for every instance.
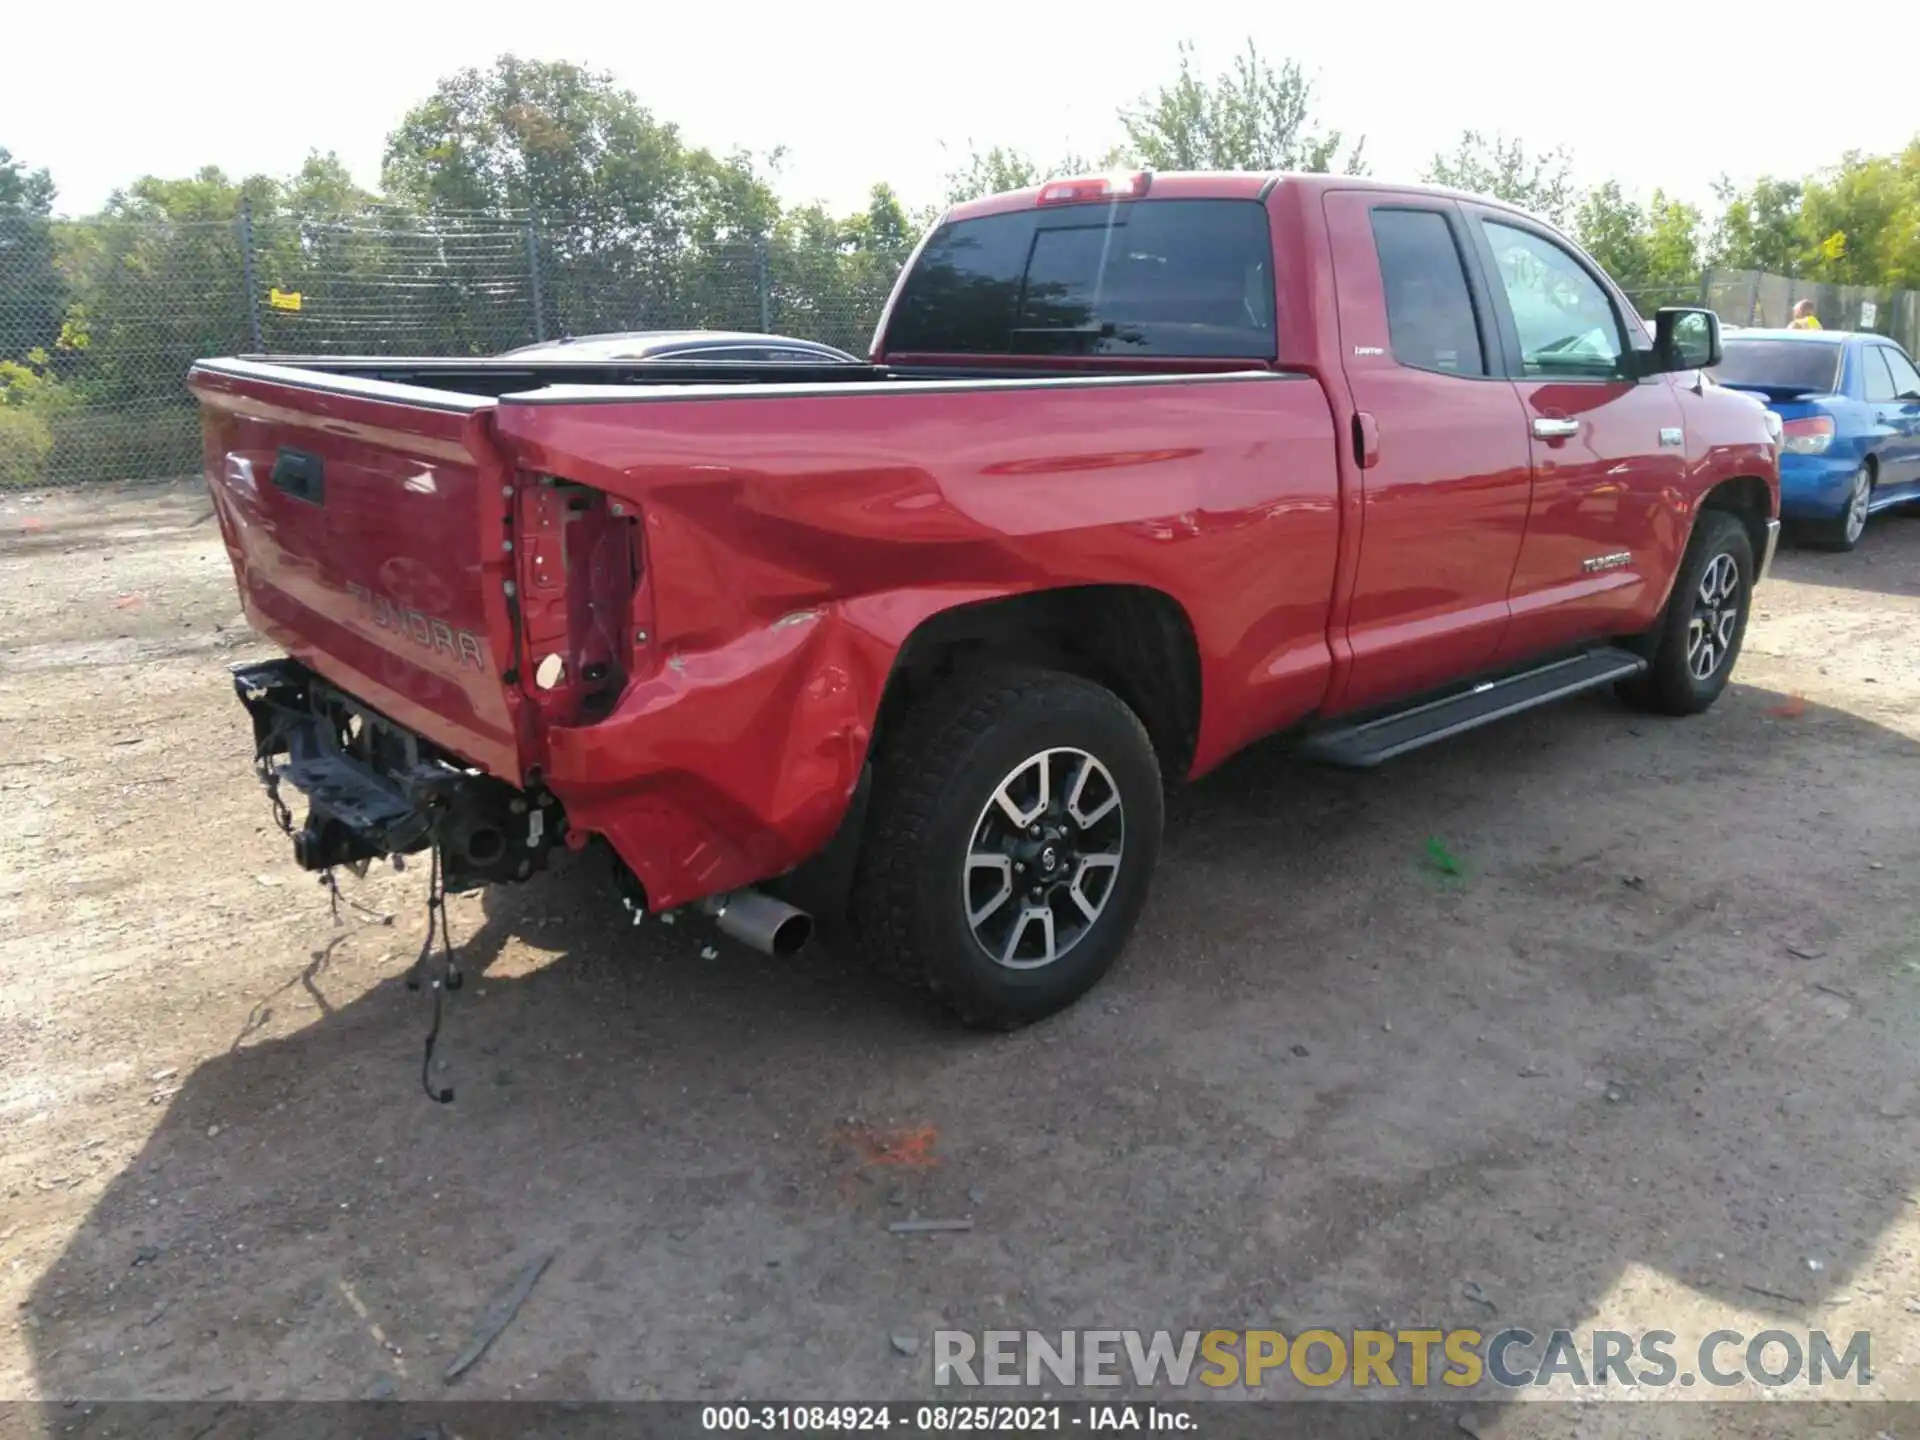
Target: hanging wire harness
(375, 789)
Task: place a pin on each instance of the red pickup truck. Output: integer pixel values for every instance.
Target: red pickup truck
(1141, 470)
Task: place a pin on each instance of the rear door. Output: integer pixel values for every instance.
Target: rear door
(1901, 415)
(1603, 533)
(367, 524)
(1444, 497)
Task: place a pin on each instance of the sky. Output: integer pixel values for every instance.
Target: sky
(1652, 95)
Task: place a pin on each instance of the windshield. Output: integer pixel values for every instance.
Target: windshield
(1812, 366)
(1148, 277)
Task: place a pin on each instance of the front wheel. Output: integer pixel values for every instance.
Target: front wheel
(1701, 630)
(1015, 823)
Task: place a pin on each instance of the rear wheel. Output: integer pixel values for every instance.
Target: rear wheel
(1843, 532)
(1701, 630)
(1014, 828)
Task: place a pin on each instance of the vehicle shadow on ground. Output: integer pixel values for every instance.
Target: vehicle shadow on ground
(1886, 561)
(1582, 1015)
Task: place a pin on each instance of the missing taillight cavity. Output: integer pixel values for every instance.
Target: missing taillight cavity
(579, 567)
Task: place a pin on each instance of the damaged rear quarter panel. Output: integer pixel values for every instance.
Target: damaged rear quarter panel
(794, 541)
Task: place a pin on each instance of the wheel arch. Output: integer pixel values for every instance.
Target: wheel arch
(1748, 500)
(1135, 640)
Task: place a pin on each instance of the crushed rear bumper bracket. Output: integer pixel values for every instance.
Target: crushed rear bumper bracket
(374, 788)
(355, 812)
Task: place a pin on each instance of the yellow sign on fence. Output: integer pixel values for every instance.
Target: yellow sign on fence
(284, 299)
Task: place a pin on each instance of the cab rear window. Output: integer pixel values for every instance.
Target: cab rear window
(1809, 365)
(1187, 278)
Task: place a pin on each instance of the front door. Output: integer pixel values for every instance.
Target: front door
(1444, 499)
(1606, 528)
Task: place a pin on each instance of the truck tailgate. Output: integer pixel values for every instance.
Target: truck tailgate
(366, 525)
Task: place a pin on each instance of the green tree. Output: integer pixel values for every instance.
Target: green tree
(831, 275)
(883, 229)
(1613, 229)
(32, 302)
(729, 200)
(377, 278)
(32, 295)
(1858, 220)
(1674, 256)
(545, 136)
(1503, 168)
(156, 282)
(1759, 229)
(1252, 116)
(625, 208)
(22, 189)
(990, 172)
(716, 267)
(323, 189)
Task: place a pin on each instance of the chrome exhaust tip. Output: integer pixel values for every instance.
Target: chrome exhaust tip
(761, 922)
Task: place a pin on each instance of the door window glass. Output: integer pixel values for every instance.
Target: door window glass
(1429, 308)
(1874, 372)
(1566, 323)
(1906, 380)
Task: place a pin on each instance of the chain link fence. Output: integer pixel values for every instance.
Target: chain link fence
(100, 318)
(1755, 298)
(1648, 299)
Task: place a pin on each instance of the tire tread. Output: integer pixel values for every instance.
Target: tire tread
(1665, 687)
(941, 727)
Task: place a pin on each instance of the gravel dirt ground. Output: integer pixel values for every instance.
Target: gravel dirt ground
(1586, 1020)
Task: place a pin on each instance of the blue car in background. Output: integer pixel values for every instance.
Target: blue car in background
(1849, 406)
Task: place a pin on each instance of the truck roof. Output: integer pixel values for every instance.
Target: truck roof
(1216, 185)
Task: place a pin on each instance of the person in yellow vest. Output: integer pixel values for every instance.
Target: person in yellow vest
(1803, 317)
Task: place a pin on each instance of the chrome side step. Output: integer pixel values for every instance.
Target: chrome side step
(1363, 746)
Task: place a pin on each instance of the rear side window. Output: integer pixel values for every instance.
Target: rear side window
(1429, 308)
(1189, 278)
(1906, 380)
(1811, 367)
(1879, 379)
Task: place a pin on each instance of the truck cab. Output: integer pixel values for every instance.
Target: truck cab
(1522, 463)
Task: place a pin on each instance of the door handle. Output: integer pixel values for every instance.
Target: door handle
(301, 475)
(1366, 440)
(1549, 429)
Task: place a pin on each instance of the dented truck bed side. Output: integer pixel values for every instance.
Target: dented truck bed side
(727, 586)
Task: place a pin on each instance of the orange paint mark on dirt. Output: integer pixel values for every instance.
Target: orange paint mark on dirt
(130, 602)
(910, 1148)
(33, 522)
(1793, 709)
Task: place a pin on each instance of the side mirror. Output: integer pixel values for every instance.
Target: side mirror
(1685, 338)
